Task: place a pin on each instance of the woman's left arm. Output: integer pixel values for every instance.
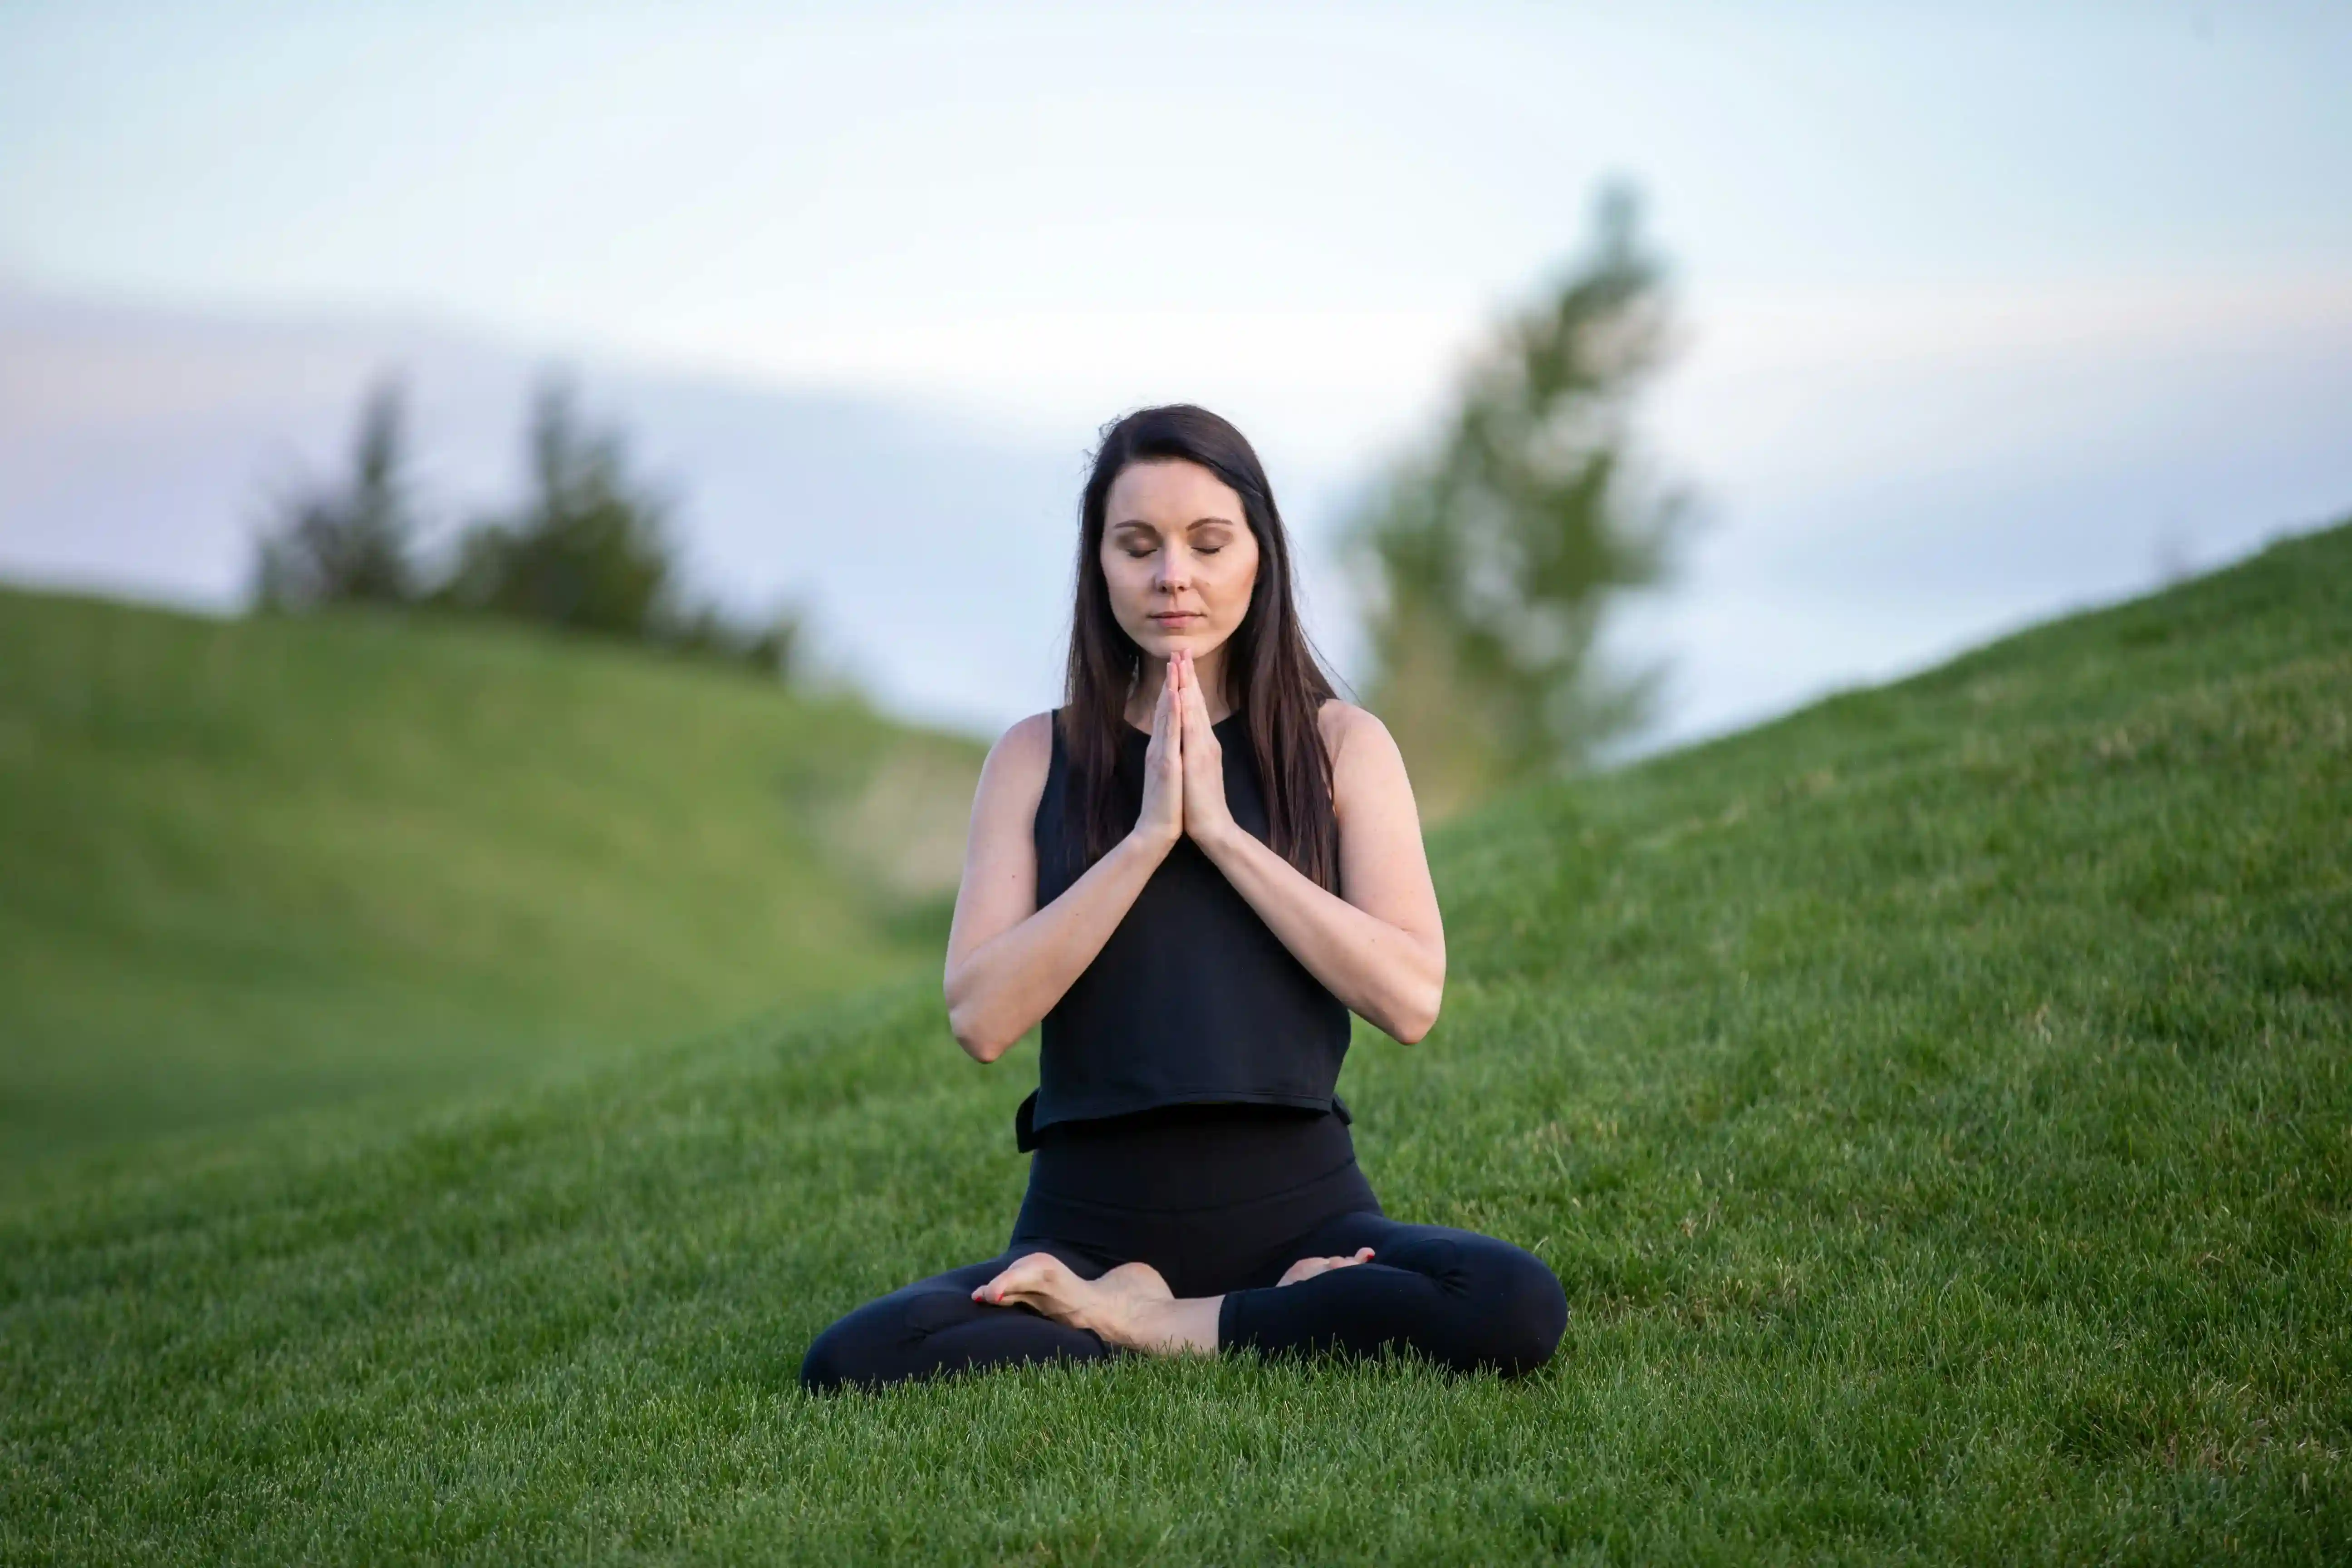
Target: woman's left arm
(1378, 945)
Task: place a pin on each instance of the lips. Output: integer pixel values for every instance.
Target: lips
(1178, 620)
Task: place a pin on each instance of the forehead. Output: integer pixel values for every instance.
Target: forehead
(1170, 493)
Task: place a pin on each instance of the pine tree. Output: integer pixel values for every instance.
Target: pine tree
(1490, 557)
(589, 550)
(349, 543)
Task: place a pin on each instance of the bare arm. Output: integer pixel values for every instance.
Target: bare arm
(1009, 960)
(1378, 945)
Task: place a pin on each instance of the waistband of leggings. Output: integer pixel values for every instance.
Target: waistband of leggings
(1240, 1227)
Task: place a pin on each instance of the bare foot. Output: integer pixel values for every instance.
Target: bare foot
(1115, 1305)
(1308, 1267)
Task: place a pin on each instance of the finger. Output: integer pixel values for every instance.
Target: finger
(1171, 708)
(1196, 701)
(1160, 709)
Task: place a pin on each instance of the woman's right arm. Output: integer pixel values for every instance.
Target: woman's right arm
(1009, 960)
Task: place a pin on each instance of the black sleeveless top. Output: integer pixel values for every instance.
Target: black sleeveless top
(1193, 999)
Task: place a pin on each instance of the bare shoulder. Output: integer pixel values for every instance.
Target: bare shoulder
(1366, 765)
(1344, 724)
(1018, 761)
(1033, 736)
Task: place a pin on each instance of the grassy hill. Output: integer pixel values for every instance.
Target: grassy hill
(1937, 1105)
(254, 864)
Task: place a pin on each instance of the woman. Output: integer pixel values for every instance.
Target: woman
(1192, 873)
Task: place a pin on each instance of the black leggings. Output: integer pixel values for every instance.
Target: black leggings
(1221, 1200)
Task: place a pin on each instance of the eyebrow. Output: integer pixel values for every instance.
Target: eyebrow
(1196, 522)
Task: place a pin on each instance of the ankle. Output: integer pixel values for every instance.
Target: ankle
(1187, 1327)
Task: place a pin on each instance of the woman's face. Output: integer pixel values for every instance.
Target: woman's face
(1178, 555)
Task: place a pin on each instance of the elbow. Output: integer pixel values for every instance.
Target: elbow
(1416, 1012)
(1414, 1022)
(960, 1023)
(976, 1044)
(980, 1044)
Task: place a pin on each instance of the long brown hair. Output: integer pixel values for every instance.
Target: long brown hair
(1271, 671)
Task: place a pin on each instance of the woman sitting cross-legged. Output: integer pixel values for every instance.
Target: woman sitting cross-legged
(1192, 872)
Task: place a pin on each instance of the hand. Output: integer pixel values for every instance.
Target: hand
(1308, 1267)
(1161, 821)
(1207, 818)
(1112, 1306)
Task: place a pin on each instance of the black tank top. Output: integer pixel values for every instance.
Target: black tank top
(1193, 999)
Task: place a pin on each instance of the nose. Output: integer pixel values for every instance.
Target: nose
(1174, 573)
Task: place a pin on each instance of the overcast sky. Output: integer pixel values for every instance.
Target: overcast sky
(2017, 257)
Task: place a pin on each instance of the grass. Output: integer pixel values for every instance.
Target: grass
(256, 865)
(1936, 1103)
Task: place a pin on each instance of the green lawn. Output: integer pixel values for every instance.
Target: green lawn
(1936, 1105)
(254, 864)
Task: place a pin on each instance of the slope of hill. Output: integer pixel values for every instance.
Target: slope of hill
(252, 865)
(1936, 1105)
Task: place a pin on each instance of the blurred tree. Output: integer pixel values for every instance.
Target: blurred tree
(775, 646)
(589, 550)
(352, 543)
(1489, 557)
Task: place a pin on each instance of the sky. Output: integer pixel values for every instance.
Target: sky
(1987, 309)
